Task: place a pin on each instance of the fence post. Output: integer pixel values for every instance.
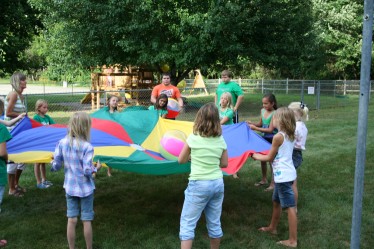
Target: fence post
(240, 81)
(262, 85)
(334, 87)
(345, 87)
(287, 86)
(302, 91)
(318, 94)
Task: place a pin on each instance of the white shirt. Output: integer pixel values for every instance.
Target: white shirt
(301, 132)
(283, 168)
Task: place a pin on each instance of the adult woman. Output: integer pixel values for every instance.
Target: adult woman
(14, 106)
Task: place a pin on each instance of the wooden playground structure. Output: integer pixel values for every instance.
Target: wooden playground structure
(134, 82)
(133, 85)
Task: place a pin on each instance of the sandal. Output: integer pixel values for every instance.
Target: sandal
(260, 183)
(20, 189)
(16, 194)
(3, 243)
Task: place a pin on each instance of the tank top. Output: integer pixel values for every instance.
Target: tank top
(19, 107)
(283, 168)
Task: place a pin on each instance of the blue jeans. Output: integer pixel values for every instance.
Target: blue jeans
(284, 194)
(202, 195)
(80, 205)
(2, 190)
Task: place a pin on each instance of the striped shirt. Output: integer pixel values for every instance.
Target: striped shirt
(78, 166)
(19, 107)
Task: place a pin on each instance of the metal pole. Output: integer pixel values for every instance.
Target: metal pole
(318, 94)
(367, 32)
(302, 91)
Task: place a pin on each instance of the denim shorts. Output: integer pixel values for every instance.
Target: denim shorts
(86, 207)
(202, 195)
(297, 158)
(284, 194)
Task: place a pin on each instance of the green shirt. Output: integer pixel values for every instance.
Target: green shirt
(46, 120)
(160, 112)
(4, 136)
(227, 113)
(206, 153)
(231, 87)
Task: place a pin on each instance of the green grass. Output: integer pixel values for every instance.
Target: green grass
(141, 211)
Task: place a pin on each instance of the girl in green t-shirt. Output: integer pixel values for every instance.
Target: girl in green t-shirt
(41, 109)
(208, 152)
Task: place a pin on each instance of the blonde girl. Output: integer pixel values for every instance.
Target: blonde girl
(284, 174)
(226, 113)
(208, 152)
(41, 109)
(301, 133)
(75, 153)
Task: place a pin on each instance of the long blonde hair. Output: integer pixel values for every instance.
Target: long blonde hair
(15, 80)
(301, 111)
(286, 120)
(79, 127)
(207, 123)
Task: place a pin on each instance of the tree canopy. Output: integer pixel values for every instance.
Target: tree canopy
(293, 38)
(184, 34)
(18, 25)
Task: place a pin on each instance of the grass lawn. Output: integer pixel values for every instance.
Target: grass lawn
(141, 211)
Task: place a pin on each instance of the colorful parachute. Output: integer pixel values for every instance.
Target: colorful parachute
(130, 141)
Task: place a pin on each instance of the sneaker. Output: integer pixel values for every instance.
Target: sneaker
(46, 182)
(42, 186)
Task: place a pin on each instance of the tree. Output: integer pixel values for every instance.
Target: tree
(339, 35)
(184, 34)
(18, 24)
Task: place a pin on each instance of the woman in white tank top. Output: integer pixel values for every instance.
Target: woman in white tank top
(14, 106)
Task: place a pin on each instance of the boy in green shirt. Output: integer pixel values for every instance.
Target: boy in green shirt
(232, 87)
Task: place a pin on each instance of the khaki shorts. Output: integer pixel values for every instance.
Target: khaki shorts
(12, 167)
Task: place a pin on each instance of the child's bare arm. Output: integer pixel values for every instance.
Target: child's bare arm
(224, 159)
(3, 151)
(270, 129)
(13, 121)
(253, 125)
(277, 142)
(185, 154)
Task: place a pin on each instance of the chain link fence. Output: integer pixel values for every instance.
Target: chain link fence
(316, 94)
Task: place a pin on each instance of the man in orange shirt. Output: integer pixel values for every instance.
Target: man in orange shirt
(166, 88)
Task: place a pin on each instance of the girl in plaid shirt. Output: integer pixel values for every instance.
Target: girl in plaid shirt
(76, 153)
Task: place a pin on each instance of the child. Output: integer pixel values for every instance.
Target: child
(76, 153)
(226, 113)
(4, 137)
(301, 133)
(113, 101)
(284, 174)
(205, 191)
(265, 125)
(41, 109)
(161, 105)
